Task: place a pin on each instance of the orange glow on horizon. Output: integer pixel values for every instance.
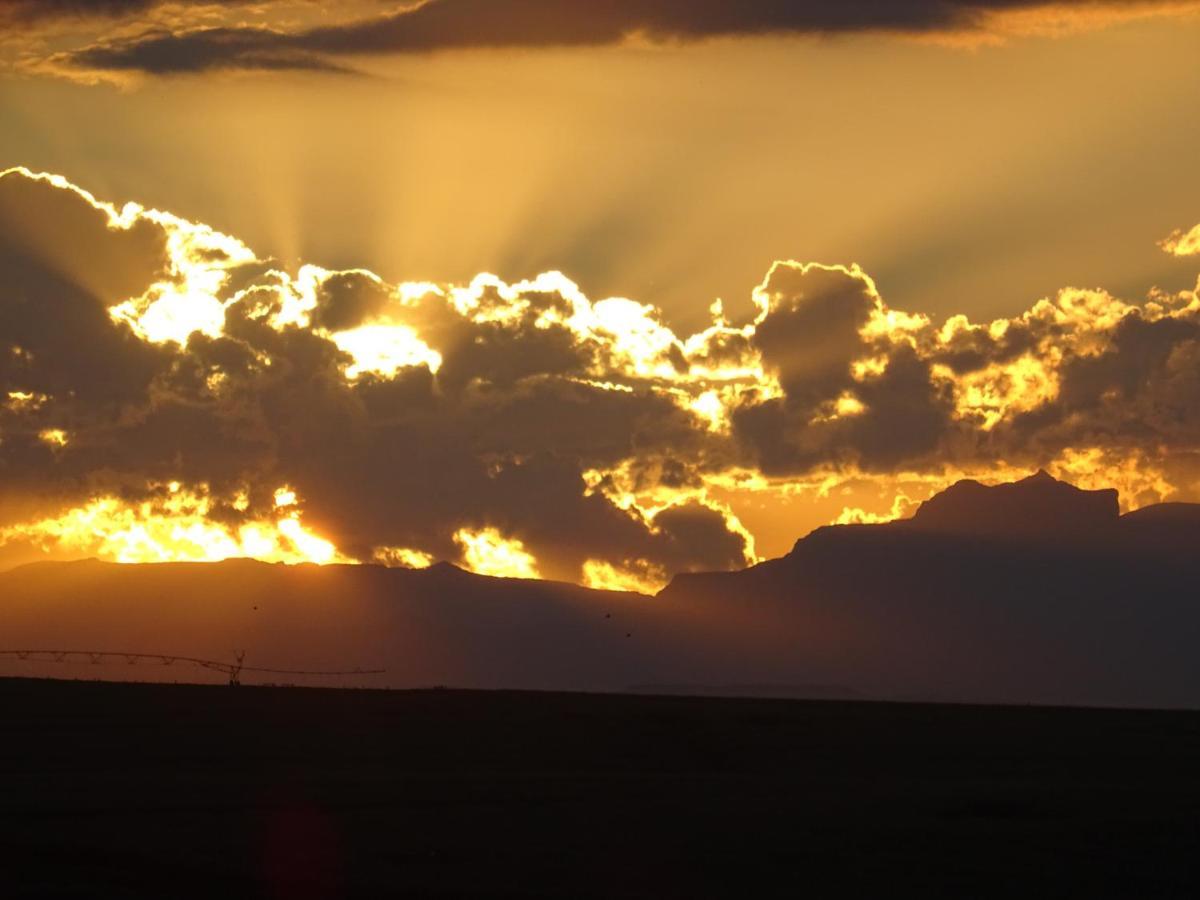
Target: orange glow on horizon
(173, 528)
(402, 558)
(488, 552)
(604, 576)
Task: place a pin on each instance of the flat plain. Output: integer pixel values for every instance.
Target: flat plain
(186, 790)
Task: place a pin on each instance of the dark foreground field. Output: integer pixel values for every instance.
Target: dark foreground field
(171, 791)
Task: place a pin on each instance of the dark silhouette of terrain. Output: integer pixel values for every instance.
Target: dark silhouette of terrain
(1036, 507)
(761, 691)
(204, 791)
(1028, 592)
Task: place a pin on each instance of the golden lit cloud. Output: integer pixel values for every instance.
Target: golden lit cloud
(846, 406)
(385, 350)
(399, 416)
(1139, 480)
(488, 552)
(1000, 390)
(649, 498)
(1182, 243)
(309, 546)
(173, 527)
(199, 263)
(1064, 18)
(903, 507)
(640, 578)
(55, 437)
(401, 558)
(22, 401)
(708, 406)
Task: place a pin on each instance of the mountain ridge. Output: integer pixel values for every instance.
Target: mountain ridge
(1099, 610)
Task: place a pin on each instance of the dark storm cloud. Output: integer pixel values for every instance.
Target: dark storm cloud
(440, 25)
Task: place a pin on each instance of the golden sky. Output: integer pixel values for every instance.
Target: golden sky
(1029, 167)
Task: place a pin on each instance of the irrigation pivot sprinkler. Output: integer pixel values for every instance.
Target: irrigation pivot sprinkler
(233, 670)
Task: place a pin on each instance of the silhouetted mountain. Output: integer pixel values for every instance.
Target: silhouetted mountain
(1038, 505)
(761, 691)
(437, 626)
(1033, 591)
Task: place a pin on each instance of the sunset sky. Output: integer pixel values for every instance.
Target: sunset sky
(407, 282)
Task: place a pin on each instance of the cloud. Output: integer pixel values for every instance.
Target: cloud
(442, 25)
(31, 12)
(35, 10)
(161, 388)
(211, 49)
(538, 385)
(103, 252)
(1182, 243)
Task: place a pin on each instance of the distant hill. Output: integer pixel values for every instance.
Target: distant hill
(437, 626)
(1032, 591)
(1028, 592)
(1038, 506)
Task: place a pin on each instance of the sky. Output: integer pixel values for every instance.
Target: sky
(405, 282)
